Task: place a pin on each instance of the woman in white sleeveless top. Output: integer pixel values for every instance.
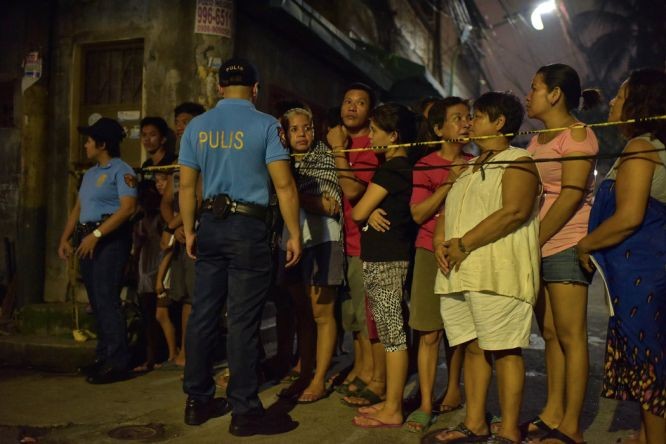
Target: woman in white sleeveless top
(487, 248)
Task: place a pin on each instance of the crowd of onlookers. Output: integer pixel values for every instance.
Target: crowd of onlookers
(454, 241)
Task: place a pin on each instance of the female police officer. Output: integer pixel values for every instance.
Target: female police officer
(99, 225)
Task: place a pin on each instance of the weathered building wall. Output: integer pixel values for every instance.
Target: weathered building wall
(396, 27)
(12, 23)
(174, 70)
(25, 28)
(287, 70)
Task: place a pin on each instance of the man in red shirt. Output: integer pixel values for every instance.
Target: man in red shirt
(354, 132)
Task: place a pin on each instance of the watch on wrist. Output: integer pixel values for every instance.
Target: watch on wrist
(97, 233)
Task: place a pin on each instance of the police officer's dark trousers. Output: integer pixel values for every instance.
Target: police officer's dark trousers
(103, 277)
(233, 265)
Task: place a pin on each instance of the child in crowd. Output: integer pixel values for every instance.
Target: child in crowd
(147, 248)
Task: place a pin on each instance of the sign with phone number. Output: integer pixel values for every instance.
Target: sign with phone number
(214, 17)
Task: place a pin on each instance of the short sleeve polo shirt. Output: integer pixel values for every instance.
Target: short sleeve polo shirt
(231, 145)
(103, 186)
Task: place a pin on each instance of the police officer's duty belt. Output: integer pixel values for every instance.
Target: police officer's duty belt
(222, 206)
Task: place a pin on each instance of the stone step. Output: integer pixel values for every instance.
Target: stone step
(45, 338)
(52, 319)
(51, 353)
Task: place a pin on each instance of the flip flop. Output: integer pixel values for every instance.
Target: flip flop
(556, 435)
(443, 409)
(143, 368)
(496, 439)
(376, 410)
(495, 423)
(366, 394)
(292, 376)
(293, 391)
(170, 365)
(425, 420)
(468, 435)
(541, 426)
(316, 398)
(377, 425)
(344, 390)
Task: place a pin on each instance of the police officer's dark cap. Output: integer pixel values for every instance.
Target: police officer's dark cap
(104, 130)
(238, 71)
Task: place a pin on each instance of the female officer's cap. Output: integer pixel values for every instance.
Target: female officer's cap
(104, 130)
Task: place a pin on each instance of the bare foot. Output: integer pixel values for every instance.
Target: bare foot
(145, 367)
(534, 429)
(454, 433)
(380, 419)
(307, 396)
(451, 401)
(353, 387)
(371, 409)
(222, 380)
(313, 392)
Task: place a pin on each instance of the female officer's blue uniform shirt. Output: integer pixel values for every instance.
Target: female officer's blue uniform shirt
(231, 145)
(102, 187)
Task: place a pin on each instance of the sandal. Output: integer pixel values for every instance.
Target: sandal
(169, 366)
(366, 394)
(443, 409)
(344, 390)
(374, 424)
(290, 377)
(556, 435)
(541, 426)
(496, 439)
(314, 397)
(294, 391)
(468, 435)
(419, 418)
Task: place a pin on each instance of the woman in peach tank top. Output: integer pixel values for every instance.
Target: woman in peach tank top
(561, 308)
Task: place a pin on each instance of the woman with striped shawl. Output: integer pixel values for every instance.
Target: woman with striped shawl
(313, 283)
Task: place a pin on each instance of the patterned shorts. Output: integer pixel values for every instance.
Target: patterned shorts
(384, 283)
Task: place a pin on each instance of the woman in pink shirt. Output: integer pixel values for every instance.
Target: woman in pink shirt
(432, 179)
(567, 196)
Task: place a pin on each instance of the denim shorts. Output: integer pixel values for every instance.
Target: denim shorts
(564, 267)
(320, 265)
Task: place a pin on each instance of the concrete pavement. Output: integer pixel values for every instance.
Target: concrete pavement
(59, 408)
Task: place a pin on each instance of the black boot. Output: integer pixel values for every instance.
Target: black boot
(198, 412)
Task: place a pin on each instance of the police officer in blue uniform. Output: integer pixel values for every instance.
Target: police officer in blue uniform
(237, 149)
(99, 226)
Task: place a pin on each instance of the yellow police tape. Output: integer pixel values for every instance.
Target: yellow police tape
(167, 168)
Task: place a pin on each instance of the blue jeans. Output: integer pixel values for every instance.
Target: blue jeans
(233, 265)
(103, 277)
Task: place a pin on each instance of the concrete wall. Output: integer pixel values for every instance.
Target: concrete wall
(12, 24)
(174, 59)
(24, 28)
